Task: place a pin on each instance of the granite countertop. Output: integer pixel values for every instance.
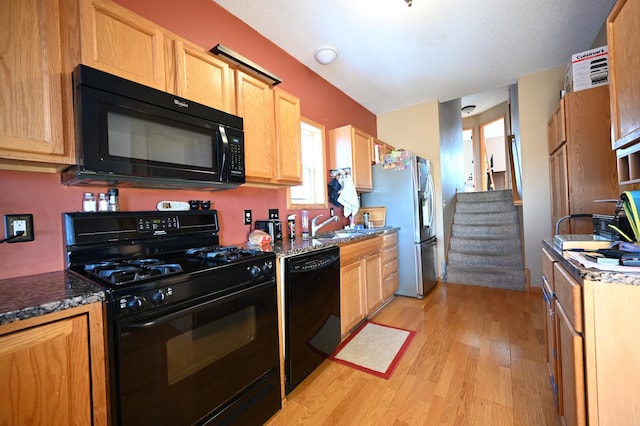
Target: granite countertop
(580, 273)
(298, 246)
(34, 295)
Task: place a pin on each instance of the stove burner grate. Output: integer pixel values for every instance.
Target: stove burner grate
(222, 254)
(120, 272)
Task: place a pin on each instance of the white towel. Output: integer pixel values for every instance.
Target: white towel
(349, 197)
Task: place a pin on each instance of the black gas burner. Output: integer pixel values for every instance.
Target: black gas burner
(125, 271)
(222, 254)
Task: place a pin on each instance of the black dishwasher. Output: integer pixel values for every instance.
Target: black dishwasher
(311, 311)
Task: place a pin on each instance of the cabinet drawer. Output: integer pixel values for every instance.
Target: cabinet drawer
(390, 240)
(547, 268)
(569, 294)
(354, 251)
(389, 285)
(389, 268)
(389, 254)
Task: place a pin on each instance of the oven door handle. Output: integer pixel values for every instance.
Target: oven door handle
(195, 308)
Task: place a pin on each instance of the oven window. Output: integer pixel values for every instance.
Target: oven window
(141, 139)
(197, 348)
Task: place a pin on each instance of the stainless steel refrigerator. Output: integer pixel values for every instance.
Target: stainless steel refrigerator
(406, 189)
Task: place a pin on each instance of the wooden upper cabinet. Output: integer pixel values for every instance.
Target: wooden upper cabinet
(288, 145)
(623, 33)
(197, 75)
(118, 41)
(273, 153)
(379, 150)
(36, 124)
(351, 147)
(556, 128)
(584, 168)
(254, 103)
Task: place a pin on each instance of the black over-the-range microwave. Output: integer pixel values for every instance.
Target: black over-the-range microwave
(134, 135)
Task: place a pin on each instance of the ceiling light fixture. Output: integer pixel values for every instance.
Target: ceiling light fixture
(468, 109)
(326, 54)
(409, 2)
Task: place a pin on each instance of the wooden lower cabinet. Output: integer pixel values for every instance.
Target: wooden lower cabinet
(389, 265)
(351, 296)
(596, 327)
(570, 354)
(360, 281)
(373, 264)
(52, 369)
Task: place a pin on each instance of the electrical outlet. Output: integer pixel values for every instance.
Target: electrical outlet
(331, 213)
(247, 217)
(273, 214)
(16, 223)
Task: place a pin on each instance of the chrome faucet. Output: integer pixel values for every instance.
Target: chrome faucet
(315, 228)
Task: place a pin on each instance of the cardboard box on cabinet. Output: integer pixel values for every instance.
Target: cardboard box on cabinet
(588, 69)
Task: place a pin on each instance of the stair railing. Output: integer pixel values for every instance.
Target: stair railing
(514, 168)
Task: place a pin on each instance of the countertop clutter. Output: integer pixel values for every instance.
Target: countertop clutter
(580, 273)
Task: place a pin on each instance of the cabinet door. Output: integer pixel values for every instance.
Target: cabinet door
(352, 309)
(44, 374)
(254, 102)
(592, 165)
(571, 366)
(361, 146)
(623, 31)
(559, 189)
(201, 77)
(556, 130)
(35, 89)
(373, 265)
(551, 342)
(287, 135)
(117, 41)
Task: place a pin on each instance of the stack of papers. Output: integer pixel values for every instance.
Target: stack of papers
(586, 260)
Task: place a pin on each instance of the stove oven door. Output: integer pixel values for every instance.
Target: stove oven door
(215, 360)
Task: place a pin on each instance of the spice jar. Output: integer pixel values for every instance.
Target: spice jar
(114, 205)
(103, 202)
(89, 202)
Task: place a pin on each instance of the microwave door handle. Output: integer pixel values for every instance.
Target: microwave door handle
(225, 149)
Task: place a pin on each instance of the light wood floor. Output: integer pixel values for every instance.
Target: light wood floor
(477, 359)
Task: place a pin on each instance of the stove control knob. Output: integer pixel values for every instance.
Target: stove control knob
(135, 304)
(266, 267)
(158, 297)
(255, 271)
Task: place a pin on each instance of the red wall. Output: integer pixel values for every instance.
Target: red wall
(206, 24)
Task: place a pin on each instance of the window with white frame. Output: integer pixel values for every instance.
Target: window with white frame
(313, 191)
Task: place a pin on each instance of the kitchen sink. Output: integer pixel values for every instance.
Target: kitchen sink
(348, 233)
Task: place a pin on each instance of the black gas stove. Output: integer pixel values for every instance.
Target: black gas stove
(192, 326)
(141, 258)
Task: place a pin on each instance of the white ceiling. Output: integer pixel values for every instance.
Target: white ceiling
(392, 56)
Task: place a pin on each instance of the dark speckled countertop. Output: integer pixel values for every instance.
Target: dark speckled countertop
(34, 295)
(299, 246)
(580, 273)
